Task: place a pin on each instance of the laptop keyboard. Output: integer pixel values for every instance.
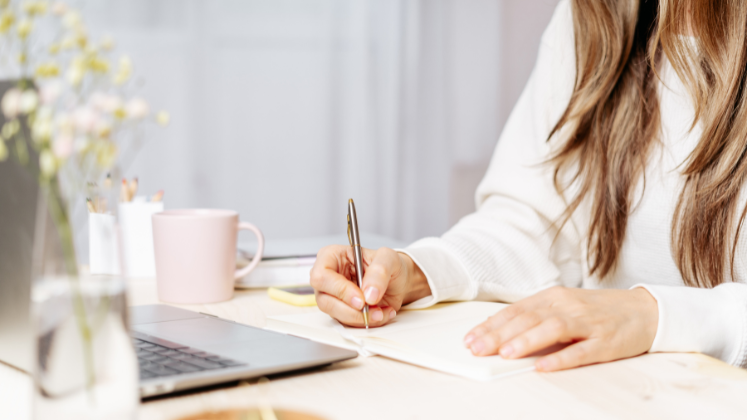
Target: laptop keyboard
(159, 358)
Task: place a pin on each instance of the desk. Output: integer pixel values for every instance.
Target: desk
(651, 386)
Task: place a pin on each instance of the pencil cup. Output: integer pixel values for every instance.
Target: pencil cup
(137, 237)
(103, 244)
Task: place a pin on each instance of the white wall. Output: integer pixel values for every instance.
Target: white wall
(282, 109)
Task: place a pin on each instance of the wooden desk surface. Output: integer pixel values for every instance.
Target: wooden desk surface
(655, 386)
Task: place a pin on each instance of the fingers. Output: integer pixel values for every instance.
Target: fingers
(382, 268)
(582, 353)
(345, 314)
(550, 331)
(490, 342)
(327, 276)
(494, 322)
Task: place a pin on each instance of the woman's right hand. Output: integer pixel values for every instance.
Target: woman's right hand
(390, 280)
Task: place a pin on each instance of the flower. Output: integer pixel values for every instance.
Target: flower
(7, 18)
(124, 71)
(163, 118)
(71, 19)
(137, 108)
(76, 71)
(47, 163)
(59, 8)
(41, 130)
(50, 69)
(107, 43)
(85, 119)
(29, 101)
(62, 146)
(10, 103)
(24, 28)
(35, 7)
(49, 93)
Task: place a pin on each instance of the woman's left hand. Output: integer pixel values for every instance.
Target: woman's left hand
(601, 325)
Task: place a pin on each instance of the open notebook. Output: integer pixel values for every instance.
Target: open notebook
(430, 337)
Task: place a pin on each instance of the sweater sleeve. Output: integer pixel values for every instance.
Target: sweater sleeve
(510, 247)
(709, 321)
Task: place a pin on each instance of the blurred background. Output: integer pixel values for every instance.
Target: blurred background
(284, 109)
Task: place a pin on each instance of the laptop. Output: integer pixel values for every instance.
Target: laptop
(177, 349)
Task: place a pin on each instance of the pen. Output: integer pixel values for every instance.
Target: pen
(355, 242)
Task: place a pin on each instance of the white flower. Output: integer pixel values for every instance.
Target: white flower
(71, 19)
(59, 8)
(137, 108)
(105, 102)
(76, 71)
(50, 92)
(47, 163)
(11, 103)
(85, 119)
(41, 130)
(29, 101)
(62, 146)
(64, 123)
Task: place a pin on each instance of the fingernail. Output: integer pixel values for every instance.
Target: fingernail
(372, 294)
(392, 314)
(543, 364)
(477, 347)
(506, 350)
(468, 339)
(357, 303)
(377, 315)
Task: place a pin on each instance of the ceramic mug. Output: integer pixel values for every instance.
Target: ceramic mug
(196, 254)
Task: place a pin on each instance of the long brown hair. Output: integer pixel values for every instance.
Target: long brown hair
(613, 122)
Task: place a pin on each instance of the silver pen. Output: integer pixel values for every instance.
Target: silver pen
(355, 242)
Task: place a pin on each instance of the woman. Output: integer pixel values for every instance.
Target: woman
(613, 200)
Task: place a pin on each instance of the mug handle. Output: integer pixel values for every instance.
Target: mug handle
(257, 256)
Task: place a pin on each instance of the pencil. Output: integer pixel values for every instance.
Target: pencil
(133, 188)
(123, 194)
(157, 196)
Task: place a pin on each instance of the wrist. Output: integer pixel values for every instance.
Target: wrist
(417, 286)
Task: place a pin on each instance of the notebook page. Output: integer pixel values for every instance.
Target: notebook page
(430, 337)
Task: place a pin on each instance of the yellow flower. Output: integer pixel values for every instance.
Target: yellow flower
(24, 28)
(54, 48)
(3, 151)
(22, 58)
(120, 113)
(35, 7)
(7, 18)
(50, 69)
(47, 163)
(10, 128)
(124, 71)
(163, 118)
(81, 38)
(98, 65)
(4, 3)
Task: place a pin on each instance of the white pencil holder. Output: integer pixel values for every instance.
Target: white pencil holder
(103, 244)
(137, 237)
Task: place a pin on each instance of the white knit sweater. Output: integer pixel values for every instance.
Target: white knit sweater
(505, 250)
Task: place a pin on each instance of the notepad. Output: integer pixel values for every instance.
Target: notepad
(431, 338)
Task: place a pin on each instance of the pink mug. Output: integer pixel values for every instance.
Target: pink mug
(196, 254)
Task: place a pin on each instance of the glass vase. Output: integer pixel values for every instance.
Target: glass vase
(85, 365)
